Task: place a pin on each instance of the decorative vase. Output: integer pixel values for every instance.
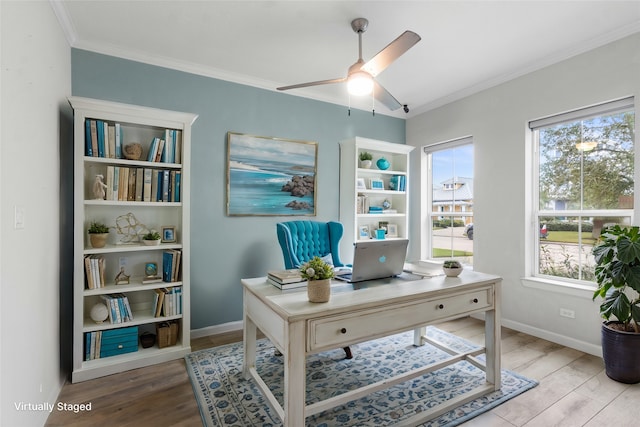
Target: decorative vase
(99, 313)
(151, 242)
(621, 352)
(365, 164)
(319, 290)
(98, 240)
(383, 164)
(452, 272)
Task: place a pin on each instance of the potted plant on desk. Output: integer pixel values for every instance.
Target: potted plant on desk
(366, 159)
(318, 274)
(617, 258)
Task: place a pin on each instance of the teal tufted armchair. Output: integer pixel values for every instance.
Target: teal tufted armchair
(302, 240)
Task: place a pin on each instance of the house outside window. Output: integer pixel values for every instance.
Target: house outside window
(448, 212)
(583, 181)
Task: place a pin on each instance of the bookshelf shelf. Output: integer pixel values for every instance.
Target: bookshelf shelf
(355, 200)
(156, 194)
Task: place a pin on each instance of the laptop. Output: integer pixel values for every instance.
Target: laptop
(376, 259)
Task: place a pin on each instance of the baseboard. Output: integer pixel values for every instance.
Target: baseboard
(585, 347)
(217, 329)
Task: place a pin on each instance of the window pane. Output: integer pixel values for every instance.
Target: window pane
(449, 239)
(587, 164)
(565, 245)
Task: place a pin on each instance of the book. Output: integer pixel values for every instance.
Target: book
(116, 182)
(118, 141)
(160, 150)
(154, 185)
(178, 146)
(88, 148)
(139, 184)
(146, 183)
(153, 149)
(176, 189)
(94, 138)
(285, 276)
(286, 286)
(100, 136)
(110, 173)
(112, 142)
(165, 186)
(131, 191)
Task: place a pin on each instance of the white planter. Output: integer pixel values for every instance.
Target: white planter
(365, 164)
(151, 242)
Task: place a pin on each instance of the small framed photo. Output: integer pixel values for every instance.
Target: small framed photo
(392, 230)
(383, 225)
(360, 185)
(363, 232)
(168, 234)
(377, 184)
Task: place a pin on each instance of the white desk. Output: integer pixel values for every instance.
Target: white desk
(361, 312)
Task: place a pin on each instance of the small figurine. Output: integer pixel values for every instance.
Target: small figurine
(122, 278)
(99, 188)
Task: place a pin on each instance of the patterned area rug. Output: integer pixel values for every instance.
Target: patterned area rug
(225, 398)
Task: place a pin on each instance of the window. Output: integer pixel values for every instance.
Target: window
(583, 181)
(448, 212)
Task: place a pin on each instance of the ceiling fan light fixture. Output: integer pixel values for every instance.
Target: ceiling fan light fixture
(360, 83)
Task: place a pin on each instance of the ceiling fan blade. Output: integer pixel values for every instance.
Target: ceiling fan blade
(320, 82)
(384, 97)
(391, 52)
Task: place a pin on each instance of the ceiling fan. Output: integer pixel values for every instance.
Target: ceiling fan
(361, 75)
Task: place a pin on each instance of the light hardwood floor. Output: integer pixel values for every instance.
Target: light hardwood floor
(573, 390)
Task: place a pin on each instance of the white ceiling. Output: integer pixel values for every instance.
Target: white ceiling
(466, 46)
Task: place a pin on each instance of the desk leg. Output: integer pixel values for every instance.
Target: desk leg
(418, 333)
(249, 342)
(295, 376)
(492, 332)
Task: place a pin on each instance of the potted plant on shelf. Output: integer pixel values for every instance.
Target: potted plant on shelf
(152, 238)
(617, 272)
(365, 159)
(452, 268)
(98, 233)
(318, 274)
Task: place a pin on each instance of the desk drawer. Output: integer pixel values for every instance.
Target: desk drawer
(358, 326)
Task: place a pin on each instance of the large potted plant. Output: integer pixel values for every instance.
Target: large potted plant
(617, 258)
(318, 274)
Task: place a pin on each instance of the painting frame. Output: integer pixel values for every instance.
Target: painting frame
(392, 230)
(363, 232)
(168, 234)
(270, 176)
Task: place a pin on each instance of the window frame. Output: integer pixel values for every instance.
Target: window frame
(426, 213)
(534, 126)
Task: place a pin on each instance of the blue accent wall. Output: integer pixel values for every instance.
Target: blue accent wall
(225, 249)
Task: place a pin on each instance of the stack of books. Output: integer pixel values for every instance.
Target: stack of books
(286, 279)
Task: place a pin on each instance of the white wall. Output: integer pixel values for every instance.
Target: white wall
(36, 79)
(497, 119)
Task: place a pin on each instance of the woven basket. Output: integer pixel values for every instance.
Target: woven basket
(319, 290)
(167, 333)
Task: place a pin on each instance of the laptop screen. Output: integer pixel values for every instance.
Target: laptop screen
(377, 259)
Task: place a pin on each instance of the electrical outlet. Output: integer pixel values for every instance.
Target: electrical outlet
(565, 312)
(18, 217)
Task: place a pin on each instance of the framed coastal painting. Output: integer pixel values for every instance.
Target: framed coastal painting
(270, 176)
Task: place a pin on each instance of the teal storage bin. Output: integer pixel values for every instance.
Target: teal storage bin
(119, 341)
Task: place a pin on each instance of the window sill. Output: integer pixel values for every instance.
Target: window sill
(557, 286)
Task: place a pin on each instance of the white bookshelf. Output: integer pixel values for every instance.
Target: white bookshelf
(141, 125)
(351, 216)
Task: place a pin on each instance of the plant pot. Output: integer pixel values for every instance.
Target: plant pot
(452, 272)
(365, 164)
(98, 240)
(621, 354)
(319, 290)
(151, 242)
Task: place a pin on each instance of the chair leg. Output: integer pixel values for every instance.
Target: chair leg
(347, 350)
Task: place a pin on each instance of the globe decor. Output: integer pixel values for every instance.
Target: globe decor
(318, 274)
